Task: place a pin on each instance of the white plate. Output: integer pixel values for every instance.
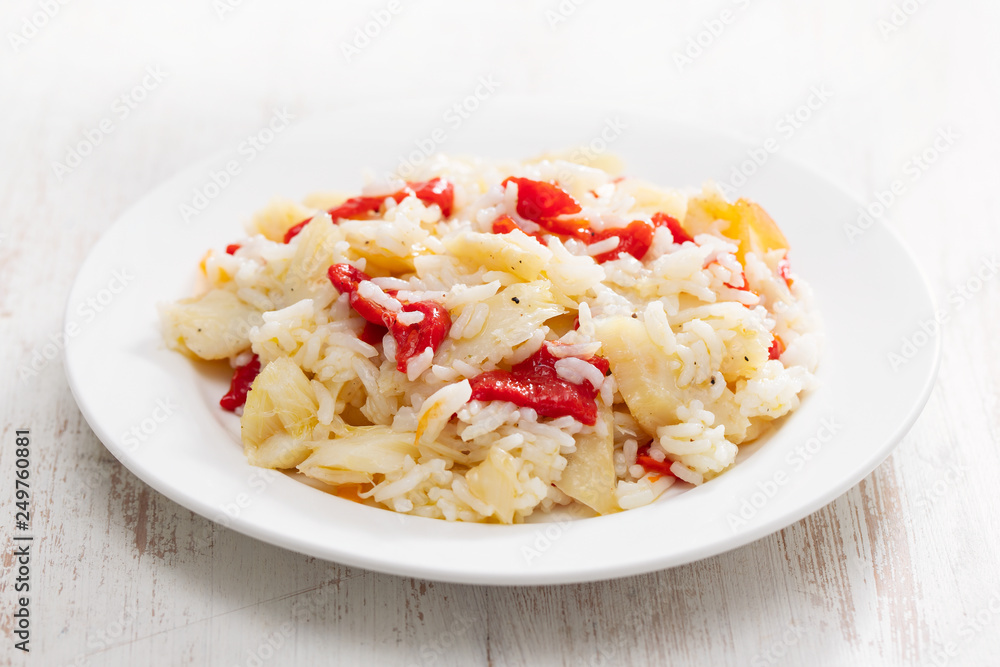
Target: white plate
(157, 412)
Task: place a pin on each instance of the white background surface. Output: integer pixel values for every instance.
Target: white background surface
(900, 570)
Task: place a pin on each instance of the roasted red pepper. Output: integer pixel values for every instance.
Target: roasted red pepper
(643, 458)
(239, 387)
(411, 339)
(505, 225)
(634, 240)
(356, 208)
(664, 220)
(435, 191)
(538, 201)
(777, 348)
(543, 203)
(346, 279)
(373, 333)
(534, 383)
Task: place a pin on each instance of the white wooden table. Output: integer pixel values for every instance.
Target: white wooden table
(901, 570)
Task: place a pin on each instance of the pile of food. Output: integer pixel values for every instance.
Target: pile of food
(490, 340)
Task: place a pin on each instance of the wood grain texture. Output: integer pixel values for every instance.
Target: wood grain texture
(901, 570)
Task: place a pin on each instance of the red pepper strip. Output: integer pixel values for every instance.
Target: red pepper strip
(346, 279)
(784, 270)
(243, 377)
(551, 398)
(602, 365)
(634, 240)
(356, 208)
(534, 383)
(664, 220)
(505, 225)
(643, 458)
(542, 364)
(435, 191)
(577, 229)
(542, 202)
(411, 339)
(372, 333)
(537, 200)
(232, 248)
(777, 348)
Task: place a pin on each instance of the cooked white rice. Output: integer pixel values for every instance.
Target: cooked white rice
(687, 329)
